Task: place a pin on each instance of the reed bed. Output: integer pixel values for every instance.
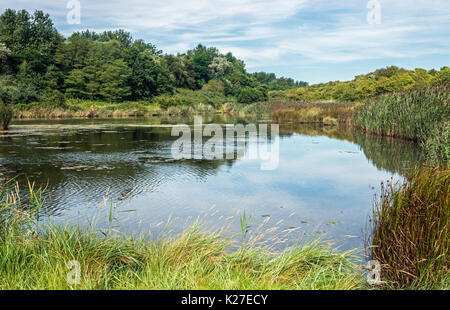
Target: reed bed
(312, 115)
(437, 146)
(327, 115)
(412, 114)
(271, 106)
(411, 230)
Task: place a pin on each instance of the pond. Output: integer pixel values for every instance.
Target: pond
(323, 185)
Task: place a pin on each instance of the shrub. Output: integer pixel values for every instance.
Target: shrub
(249, 95)
(166, 101)
(6, 114)
(13, 91)
(214, 86)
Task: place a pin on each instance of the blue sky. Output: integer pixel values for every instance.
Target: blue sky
(310, 40)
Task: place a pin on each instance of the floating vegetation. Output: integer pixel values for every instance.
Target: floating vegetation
(86, 167)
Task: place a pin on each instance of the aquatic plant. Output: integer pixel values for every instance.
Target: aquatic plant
(311, 115)
(326, 113)
(411, 230)
(437, 146)
(412, 114)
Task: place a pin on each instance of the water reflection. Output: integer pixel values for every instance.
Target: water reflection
(323, 183)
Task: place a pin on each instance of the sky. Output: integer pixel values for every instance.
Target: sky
(309, 40)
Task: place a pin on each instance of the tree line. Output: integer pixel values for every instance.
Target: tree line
(38, 64)
(367, 86)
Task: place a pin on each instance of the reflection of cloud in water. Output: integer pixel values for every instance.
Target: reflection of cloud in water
(320, 180)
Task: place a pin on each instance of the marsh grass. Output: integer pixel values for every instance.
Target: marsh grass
(74, 108)
(35, 256)
(326, 113)
(311, 115)
(411, 230)
(412, 114)
(437, 146)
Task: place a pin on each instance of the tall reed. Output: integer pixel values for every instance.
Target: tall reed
(411, 230)
(411, 114)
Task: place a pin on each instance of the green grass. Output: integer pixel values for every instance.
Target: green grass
(35, 256)
(323, 113)
(421, 115)
(191, 260)
(411, 230)
(410, 239)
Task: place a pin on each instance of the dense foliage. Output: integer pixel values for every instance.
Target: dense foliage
(368, 86)
(275, 83)
(37, 64)
(412, 114)
(421, 114)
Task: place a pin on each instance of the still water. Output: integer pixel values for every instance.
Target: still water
(324, 185)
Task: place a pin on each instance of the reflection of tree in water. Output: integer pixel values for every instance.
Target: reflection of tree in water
(287, 130)
(394, 155)
(83, 166)
(391, 154)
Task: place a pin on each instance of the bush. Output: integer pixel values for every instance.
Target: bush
(13, 91)
(215, 86)
(166, 101)
(6, 115)
(249, 95)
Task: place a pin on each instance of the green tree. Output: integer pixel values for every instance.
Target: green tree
(214, 86)
(75, 83)
(150, 75)
(443, 76)
(180, 76)
(200, 59)
(249, 95)
(29, 37)
(219, 67)
(5, 60)
(113, 78)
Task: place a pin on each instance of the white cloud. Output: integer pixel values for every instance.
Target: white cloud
(272, 32)
(166, 15)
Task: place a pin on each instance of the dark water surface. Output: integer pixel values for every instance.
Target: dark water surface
(324, 184)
